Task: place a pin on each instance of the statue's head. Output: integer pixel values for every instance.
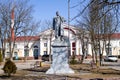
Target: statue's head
(57, 13)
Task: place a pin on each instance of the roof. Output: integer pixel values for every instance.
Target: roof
(27, 38)
(70, 30)
(65, 27)
(115, 36)
(112, 36)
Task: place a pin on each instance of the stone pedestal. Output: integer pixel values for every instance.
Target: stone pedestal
(60, 58)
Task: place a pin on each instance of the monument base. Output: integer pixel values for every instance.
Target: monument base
(60, 58)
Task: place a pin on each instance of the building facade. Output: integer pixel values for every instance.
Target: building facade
(35, 46)
(25, 46)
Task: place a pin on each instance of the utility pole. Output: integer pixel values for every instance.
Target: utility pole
(68, 18)
(69, 52)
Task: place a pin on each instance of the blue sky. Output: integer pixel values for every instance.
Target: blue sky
(46, 9)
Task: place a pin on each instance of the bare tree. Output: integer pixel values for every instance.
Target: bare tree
(28, 34)
(83, 36)
(48, 25)
(22, 20)
(99, 22)
(91, 25)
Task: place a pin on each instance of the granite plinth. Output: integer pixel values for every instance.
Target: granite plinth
(60, 58)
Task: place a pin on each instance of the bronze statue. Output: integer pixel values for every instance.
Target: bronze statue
(57, 21)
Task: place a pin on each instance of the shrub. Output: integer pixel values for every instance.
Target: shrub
(9, 67)
(14, 58)
(73, 61)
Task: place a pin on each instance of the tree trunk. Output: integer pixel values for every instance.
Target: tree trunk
(83, 56)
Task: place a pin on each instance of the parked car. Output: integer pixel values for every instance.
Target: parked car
(111, 58)
(46, 57)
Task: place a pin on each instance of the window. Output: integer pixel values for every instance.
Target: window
(108, 49)
(35, 46)
(15, 45)
(15, 54)
(45, 52)
(45, 44)
(26, 51)
(7, 55)
(7, 45)
(35, 52)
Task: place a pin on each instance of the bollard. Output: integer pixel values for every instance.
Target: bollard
(98, 64)
(40, 63)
